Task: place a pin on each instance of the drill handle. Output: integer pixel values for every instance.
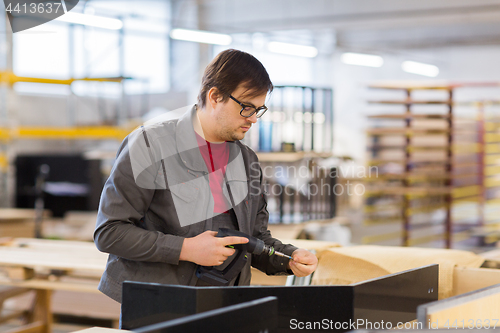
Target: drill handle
(254, 245)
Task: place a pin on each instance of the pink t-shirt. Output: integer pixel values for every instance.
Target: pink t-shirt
(216, 156)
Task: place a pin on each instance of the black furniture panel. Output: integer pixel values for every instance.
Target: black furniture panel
(393, 298)
(252, 317)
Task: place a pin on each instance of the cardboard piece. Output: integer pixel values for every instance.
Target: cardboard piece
(349, 265)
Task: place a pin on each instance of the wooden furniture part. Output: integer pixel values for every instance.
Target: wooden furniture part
(428, 176)
(467, 279)
(477, 309)
(15, 222)
(492, 258)
(5, 294)
(59, 272)
(392, 298)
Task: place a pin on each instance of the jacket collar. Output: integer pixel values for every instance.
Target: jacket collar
(187, 145)
(188, 149)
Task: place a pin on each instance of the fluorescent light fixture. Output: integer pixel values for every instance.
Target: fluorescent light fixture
(420, 68)
(91, 20)
(293, 49)
(360, 59)
(278, 116)
(318, 118)
(200, 36)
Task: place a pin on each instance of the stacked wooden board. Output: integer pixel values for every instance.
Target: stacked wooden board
(16, 222)
(489, 112)
(427, 161)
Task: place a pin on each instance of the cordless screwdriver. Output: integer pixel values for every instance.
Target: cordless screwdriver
(213, 276)
(254, 245)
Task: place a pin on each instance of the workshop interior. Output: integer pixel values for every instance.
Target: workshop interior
(378, 152)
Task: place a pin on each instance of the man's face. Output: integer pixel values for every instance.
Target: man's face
(230, 125)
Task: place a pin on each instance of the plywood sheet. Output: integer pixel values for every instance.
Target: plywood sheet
(478, 309)
(49, 254)
(470, 279)
(16, 214)
(17, 228)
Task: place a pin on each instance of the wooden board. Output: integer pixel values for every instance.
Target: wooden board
(469, 279)
(399, 190)
(409, 116)
(493, 255)
(88, 286)
(405, 131)
(50, 254)
(17, 228)
(290, 157)
(472, 310)
(16, 214)
(289, 231)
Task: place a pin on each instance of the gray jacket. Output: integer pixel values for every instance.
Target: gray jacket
(158, 194)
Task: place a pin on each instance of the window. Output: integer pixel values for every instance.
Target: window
(42, 51)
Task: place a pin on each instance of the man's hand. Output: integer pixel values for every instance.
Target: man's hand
(208, 250)
(303, 263)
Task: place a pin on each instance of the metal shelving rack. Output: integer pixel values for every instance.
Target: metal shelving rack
(437, 173)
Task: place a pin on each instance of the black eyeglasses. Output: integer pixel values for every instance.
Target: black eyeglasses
(248, 110)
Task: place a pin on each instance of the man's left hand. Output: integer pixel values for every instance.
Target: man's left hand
(303, 263)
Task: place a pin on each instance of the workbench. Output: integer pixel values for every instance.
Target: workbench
(59, 273)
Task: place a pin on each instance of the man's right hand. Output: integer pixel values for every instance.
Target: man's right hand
(208, 250)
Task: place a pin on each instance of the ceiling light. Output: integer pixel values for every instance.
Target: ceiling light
(360, 59)
(201, 36)
(420, 68)
(91, 20)
(293, 49)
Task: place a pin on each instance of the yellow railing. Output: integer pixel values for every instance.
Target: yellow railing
(11, 78)
(69, 133)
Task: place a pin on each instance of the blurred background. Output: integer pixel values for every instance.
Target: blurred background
(74, 87)
(383, 127)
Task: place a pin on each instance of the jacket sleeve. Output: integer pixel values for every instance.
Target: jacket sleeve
(271, 265)
(125, 199)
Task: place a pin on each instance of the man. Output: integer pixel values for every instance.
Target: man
(176, 182)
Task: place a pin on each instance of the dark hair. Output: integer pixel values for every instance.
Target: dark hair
(228, 70)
